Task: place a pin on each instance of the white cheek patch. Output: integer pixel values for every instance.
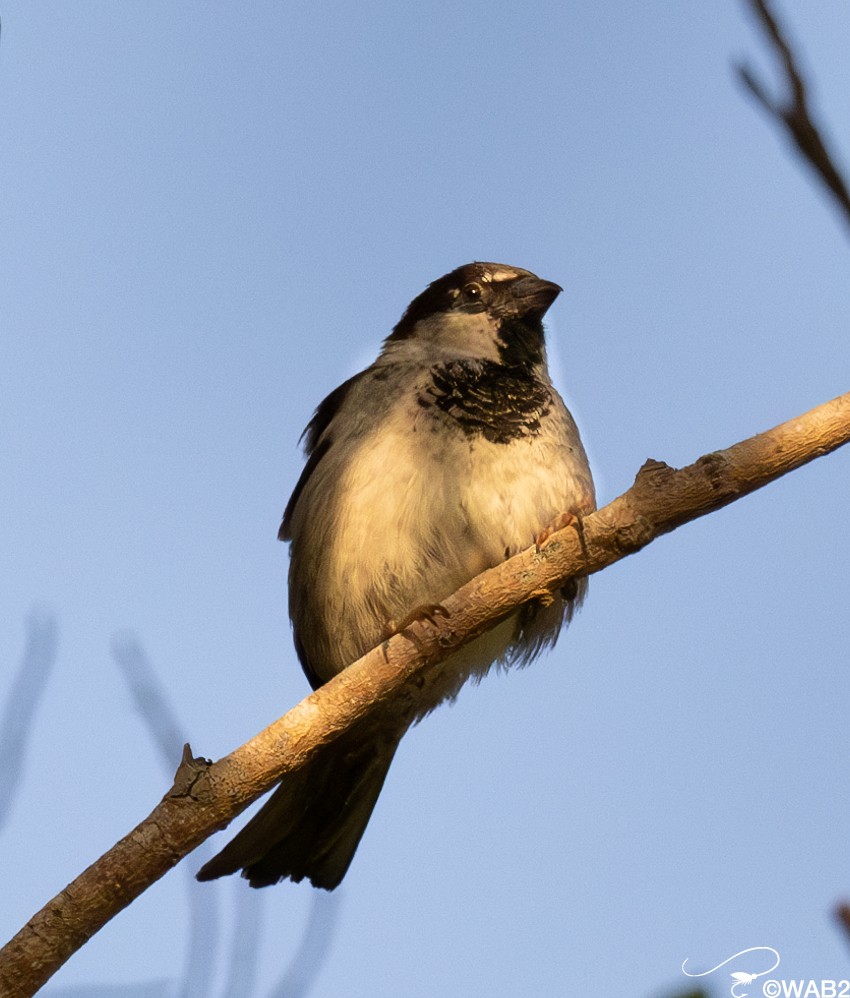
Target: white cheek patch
(450, 335)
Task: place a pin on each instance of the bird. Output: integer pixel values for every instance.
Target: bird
(450, 453)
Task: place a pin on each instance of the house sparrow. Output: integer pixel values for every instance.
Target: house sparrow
(450, 453)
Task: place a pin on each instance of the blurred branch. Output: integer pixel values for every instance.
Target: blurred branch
(842, 916)
(245, 948)
(793, 112)
(151, 701)
(390, 679)
(147, 989)
(27, 688)
(312, 950)
(149, 697)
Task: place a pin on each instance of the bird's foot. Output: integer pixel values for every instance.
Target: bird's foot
(428, 611)
(563, 520)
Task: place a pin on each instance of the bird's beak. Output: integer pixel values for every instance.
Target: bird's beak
(532, 294)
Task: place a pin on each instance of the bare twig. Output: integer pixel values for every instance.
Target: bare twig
(793, 113)
(27, 689)
(391, 679)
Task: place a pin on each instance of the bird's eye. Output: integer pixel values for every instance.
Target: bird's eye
(472, 291)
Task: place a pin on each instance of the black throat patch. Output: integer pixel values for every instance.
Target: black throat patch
(499, 402)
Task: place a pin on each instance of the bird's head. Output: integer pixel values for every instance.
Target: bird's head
(480, 310)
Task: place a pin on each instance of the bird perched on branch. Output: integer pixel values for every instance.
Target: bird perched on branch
(450, 453)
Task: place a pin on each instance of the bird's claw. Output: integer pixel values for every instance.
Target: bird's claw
(563, 520)
(428, 611)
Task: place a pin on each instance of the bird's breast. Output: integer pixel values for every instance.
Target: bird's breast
(416, 509)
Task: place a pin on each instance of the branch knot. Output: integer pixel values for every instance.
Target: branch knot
(189, 772)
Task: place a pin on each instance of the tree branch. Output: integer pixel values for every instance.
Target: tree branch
(793, 113)
(390, 679)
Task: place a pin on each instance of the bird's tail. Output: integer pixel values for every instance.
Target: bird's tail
(313, 822)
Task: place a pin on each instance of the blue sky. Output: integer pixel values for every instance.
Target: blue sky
(210, 215)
